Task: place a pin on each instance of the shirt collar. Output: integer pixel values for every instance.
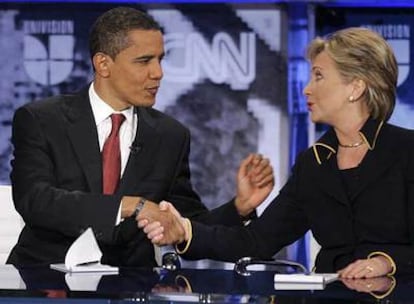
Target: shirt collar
(327, 145)
(101, 110)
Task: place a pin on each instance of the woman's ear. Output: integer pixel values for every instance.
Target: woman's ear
(358, 88)
(101, 63)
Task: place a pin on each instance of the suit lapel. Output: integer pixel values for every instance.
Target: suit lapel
(143, 152)
(375, 162)
(84, 138)
(327, 173)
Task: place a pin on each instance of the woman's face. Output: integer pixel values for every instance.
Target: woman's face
(327, 92)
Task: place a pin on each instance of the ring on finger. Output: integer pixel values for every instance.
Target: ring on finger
(369, 268)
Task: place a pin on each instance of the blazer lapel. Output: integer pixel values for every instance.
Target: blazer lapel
(327, 173)
(374, 164)
(83, 135)
(143, 153)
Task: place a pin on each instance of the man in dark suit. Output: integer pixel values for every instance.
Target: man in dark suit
(62, 185)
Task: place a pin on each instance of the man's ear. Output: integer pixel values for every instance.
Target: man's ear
(102, 63)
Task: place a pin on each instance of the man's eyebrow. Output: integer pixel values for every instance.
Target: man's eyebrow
(144, 57)
(147, 57)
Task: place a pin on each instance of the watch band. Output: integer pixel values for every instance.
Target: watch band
(139, 206)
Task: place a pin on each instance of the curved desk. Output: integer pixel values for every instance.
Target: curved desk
(41, 284)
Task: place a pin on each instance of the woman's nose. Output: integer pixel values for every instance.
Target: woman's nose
(306, 89)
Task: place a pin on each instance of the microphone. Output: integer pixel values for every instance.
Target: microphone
(135, 148)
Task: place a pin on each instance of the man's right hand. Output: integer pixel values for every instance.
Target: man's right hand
(162, 223)
(165, 226)
(129, 204)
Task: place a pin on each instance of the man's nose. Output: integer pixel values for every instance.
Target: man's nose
(156, 71)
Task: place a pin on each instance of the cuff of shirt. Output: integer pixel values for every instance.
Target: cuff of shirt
(119, 219)
(248, 218)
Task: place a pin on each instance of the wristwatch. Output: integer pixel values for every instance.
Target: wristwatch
(139, 206)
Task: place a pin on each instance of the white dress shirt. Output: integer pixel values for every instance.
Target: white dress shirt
(102, 112)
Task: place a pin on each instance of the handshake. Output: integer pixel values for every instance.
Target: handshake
(164, 225)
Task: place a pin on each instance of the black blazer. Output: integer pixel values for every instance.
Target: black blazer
(57, 181)
(378, 215)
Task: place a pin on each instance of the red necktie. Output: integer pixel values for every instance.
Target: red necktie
(111, 156)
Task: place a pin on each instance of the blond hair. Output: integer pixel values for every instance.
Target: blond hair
(360, 53)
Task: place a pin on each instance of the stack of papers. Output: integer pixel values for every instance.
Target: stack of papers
(84, 255)
(313, 281)
(92, 267)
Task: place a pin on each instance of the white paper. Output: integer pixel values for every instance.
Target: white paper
(84, 249)
(299, 286)
(84, 255)
(313, 281)
(83, 281)
(93, 267)
(313, 278)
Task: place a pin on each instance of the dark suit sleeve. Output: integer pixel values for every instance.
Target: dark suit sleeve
(36, 192)
(188, 202)
(282, 222)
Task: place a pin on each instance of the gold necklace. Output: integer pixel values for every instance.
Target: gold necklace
(355, 145)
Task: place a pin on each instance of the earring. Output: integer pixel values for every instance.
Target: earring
(351, 99)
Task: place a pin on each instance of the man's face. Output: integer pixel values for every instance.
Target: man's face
(135, 73)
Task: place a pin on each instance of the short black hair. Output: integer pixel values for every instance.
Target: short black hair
(109, 33)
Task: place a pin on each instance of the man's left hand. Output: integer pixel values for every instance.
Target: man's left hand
(254, 183)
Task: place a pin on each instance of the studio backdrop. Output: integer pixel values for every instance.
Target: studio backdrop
(224, 78)
(395, 25)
